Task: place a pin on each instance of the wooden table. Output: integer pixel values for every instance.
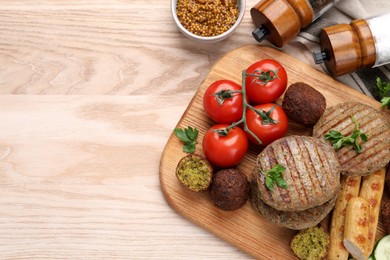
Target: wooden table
(90, 92)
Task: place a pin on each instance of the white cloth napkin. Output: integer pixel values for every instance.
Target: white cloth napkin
(345, 11)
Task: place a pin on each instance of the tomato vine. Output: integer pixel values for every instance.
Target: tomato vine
(265, 115)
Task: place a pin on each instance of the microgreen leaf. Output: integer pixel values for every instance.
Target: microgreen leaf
(188, 137)
(274, 176)
(364, 137)
(269, 183)
(382, 90)
(385, 101)
(281, 183)
(339, 140)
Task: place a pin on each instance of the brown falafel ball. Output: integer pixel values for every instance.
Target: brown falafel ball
(194, 172)
(229, 189)
(385, 214)
(303, 104)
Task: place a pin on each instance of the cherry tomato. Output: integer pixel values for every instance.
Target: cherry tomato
(269, 83)
(266, 131)
(225, 150)
(222, 101)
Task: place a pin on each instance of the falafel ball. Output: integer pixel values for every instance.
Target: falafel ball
(194, 172)
(385, 214)
(229, 189)
(311, 243)
(303, 104)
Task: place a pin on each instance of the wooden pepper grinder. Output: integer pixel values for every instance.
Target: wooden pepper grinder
(279, 21)
(348, 47)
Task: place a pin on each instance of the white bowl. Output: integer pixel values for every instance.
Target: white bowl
(210, 39)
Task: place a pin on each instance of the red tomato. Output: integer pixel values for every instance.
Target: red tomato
(265, 131)
(225, 151)
(222, 101)
(269, 83)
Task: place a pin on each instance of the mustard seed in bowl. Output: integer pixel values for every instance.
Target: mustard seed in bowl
(207, 18)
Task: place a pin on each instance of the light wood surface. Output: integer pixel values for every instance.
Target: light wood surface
(244, 228)
(90, 93)
(104, 47)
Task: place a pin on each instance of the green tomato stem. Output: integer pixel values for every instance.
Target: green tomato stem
(245, 106)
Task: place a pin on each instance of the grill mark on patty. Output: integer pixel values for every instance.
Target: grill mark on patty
(278, 194)
(374, 135)
(292, 152)
(328, 169)
(285, 194)
(326, 175)
(374, 157)
(326, 118)
(333, 174)
(374, 151)
(297, 179)
(324, 182)
(314, 162)
(345, 125)
(294, 219)
(310, 187)
(264, 164)
(370, 122)
(372, 132)
(346, 111)
(331, 119)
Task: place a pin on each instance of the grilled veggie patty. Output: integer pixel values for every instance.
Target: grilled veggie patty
(291, 219)
(375, 152)
(312, 173)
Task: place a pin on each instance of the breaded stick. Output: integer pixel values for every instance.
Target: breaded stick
(372, 190)
(349, 189)
(357, 228)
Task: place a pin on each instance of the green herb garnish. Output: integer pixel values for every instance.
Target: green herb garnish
(188, 136)
(382, 90)
(385, 101)
(274, 176)
(339, 140)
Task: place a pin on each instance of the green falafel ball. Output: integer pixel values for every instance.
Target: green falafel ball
(310, 244)
(194, 172)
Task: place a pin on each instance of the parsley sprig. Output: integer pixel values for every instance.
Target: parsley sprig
(188, 137)
(274, 176)
(339, 140)
(383, 91)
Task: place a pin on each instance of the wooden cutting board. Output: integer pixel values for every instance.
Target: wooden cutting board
(243, 228)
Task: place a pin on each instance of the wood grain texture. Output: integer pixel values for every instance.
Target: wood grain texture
(104, 48)
(85, 48)
(79, 180)
(244, 228)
